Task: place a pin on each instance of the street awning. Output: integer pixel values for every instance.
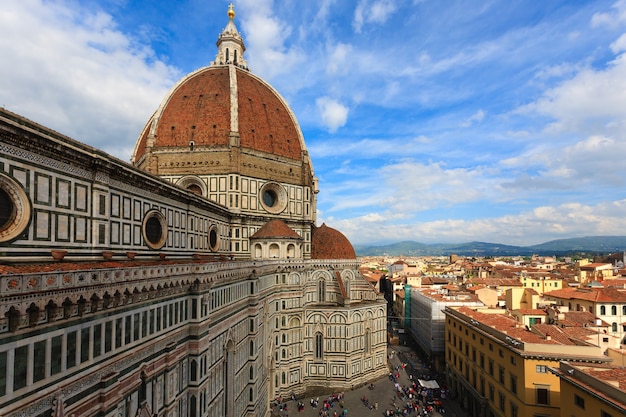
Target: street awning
(432, 384)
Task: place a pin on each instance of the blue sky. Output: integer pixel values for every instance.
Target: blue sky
(428, 120)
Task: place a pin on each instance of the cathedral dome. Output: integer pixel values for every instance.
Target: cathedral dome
(223, 119)
(329, 243)
(210, 106)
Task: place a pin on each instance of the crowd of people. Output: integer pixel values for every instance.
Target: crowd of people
(415, 398)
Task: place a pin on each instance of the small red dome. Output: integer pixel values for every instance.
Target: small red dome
(275, 229)
(328, 243)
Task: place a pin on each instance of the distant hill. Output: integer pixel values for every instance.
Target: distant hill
(589, 245)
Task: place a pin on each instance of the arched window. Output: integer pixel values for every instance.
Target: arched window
(624, 310)
(227, 55)
(284, 354)
(251, 348)
(274, 250)
(602, 310)
(192, 406)
(319, 345)
(614, 310)
(251, 372)
(194, 370)
(368, 341)
(614, 327)
(251, 395)
(321, 290)
(284, 378)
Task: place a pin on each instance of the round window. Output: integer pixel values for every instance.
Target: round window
(273, 197)
(15, 209)
(270, 198)
(155, 229)
(7, 209)
(214, 239)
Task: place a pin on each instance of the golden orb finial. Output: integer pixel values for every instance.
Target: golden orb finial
(231, 11)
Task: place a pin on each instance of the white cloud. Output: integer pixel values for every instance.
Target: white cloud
(588, 102)
(525, 228)
(611, 19)
(268, 52)
(338, 61)
(78, 73)
(334, 114)
(368, 11)
(476, 117)
(619, 45)
(406, 188)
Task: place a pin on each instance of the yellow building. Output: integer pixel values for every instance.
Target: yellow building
(592, 389)
(498, 367)
(541, 282)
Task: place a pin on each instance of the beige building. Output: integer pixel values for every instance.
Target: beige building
(607, 304)
(593, 271)
(499, 368)
(194, 282)
(592, 389)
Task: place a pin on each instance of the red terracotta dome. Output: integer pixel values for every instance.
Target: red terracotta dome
(221, 120)
(329, 243)
(276, 229)
(211, 104)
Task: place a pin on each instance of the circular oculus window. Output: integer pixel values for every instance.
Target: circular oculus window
(15, 209)
(214, 238)
(154, 229)
(273, 197)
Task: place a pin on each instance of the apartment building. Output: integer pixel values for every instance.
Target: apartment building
(499, 368)
(607, 304)
(592, 389)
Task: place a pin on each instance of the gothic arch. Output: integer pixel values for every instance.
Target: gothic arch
(338, 318)
(295, 278)
(317, 318)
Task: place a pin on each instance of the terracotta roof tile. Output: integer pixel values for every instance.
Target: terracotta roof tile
(275, 229)
(328, 243)
(598, 295)
(198, 109)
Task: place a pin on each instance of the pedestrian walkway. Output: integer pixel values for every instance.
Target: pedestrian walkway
(370, 400)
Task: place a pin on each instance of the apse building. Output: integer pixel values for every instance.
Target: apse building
(192, 282)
